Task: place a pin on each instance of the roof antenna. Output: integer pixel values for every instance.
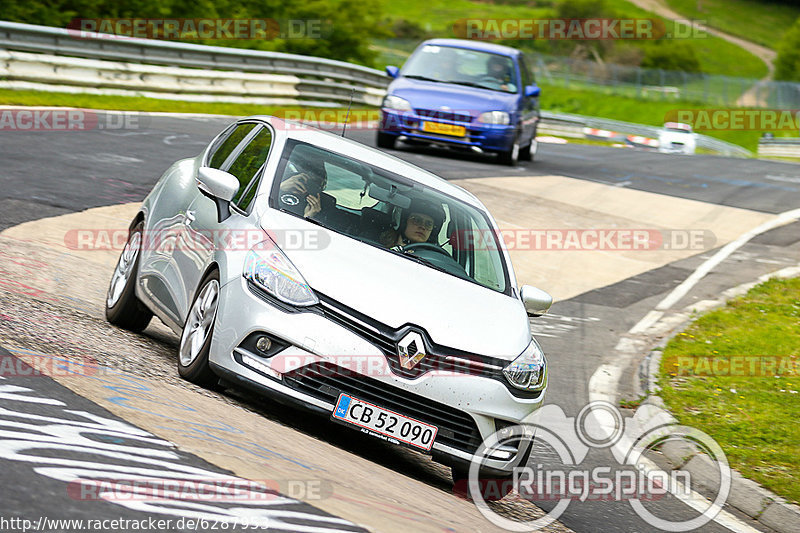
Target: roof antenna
(347, 117)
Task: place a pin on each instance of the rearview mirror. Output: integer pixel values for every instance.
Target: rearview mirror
(537, 302)
(220, 186)
(392, 72)
(389, 196)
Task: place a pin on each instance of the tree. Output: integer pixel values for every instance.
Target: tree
(787, 64)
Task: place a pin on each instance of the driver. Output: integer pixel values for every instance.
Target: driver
(302, 191)
(497, 67)
(421, 222)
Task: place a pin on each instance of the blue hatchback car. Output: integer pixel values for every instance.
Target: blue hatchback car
(462, 94)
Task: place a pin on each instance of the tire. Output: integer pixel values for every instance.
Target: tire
(510, 156)
(529, 152)
(123, 308)
(492, 488)
(195, 342)
(385, 140)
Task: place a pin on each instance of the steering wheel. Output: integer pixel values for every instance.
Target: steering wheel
(490, 79)
(427, 246)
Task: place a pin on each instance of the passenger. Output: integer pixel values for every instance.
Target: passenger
(301, 193)
(421, 222)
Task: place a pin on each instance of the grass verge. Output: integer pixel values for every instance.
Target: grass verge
(749, 406)
(154, 105)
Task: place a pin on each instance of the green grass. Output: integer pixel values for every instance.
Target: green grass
(761, 22)
(752, 415)
(716, 55)
(153, 105)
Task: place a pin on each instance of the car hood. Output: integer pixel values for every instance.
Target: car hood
(397, 291)
(432, 95)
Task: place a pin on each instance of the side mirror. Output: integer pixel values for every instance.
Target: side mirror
(537, 302)
(532, 91)
(220, 186)
(392, 72)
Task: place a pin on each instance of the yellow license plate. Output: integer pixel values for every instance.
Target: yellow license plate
(444, 129)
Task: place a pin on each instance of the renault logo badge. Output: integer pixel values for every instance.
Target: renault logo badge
(411, 350)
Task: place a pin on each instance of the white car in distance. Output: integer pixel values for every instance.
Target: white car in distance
(677, 138)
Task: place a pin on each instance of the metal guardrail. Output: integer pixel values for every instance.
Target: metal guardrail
(318, 81)
(703, 141)
(324, 79)
(780, 147)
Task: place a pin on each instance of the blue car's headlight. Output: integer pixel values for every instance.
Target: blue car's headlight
(268, 268)
(396, 103)
(529, 370)
(495, 117)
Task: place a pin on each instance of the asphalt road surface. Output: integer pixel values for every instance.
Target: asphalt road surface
(47, 174)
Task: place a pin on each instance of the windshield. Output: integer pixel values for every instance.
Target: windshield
(463, 67)
(390, 212)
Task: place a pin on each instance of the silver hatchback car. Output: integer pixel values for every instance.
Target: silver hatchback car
(327, 274)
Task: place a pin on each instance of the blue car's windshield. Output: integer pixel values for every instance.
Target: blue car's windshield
(463, 67)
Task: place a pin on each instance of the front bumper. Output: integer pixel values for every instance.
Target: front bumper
(465, 406)
(487, 137)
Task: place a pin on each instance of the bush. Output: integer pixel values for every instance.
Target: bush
(671, 56)
(787, 64)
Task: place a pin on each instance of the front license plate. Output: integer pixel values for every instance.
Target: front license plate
(384, 422)
(444, 129)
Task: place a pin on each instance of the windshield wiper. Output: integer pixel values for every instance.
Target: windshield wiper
(470, 84)
(419, 77)
(421, 260)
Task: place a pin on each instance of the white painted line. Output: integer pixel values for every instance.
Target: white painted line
(644, 324)
(681, 290)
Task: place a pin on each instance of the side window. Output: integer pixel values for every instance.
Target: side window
(245, 167)
(527, 79)
(222, 152)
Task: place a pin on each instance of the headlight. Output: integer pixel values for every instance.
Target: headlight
(396, 103)
(268, 268)
(495, 117)
(529, 370)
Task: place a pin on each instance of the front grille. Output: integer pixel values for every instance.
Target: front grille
(437, 358)
(443, 115)
(324, 382)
